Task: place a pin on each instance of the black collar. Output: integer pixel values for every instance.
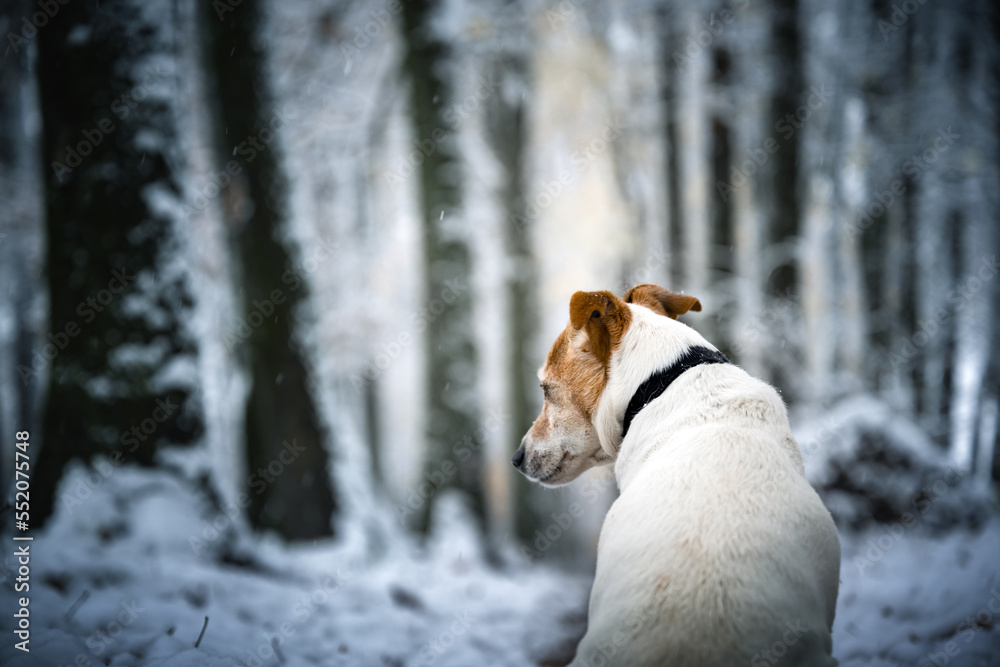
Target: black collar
(658, 382)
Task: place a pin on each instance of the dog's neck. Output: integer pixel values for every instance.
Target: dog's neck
(660, 381)
(651, 343)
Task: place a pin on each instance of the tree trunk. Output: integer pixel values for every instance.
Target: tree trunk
(821, 140)
(117, 308)
(21, 242)
(672, 35)
(787, 96)
(508, 136)
(695, 176)
(452, 405)
(281, 415)
(854, 295)
(751, 130)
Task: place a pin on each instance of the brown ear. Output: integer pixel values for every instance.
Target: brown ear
(662, 301)
(604, 317)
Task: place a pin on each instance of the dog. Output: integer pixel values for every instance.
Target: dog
(717, 552)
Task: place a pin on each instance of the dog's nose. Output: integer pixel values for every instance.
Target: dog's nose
(518, 458)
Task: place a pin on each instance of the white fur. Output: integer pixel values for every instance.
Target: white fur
(717, 549)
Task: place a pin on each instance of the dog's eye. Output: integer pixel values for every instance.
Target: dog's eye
(547, 390)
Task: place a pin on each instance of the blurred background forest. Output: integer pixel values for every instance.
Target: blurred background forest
(297, 263)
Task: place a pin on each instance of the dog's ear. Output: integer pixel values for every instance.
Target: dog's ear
(604, 317)
(662, 301)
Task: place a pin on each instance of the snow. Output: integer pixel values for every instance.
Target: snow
(873, 463)
(128, 546)
(127, 549)
(123, 560)
(907, 600)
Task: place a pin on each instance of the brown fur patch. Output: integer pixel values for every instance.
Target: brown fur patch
(576, 372)
(604, 317)
(662, 301)
(579, 359)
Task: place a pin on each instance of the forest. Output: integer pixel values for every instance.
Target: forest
(276, 280)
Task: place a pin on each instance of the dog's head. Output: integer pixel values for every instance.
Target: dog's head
(563, 442)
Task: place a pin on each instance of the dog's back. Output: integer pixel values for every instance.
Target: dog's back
(718, 551)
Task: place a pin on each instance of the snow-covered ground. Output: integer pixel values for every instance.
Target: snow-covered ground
(913, 600)
(116, 581)
(128, 551)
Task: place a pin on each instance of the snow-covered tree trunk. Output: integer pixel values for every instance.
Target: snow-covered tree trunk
(782, 191)
(787, 58)
(670, 33)
(487, 69)
(353, 235)
(123, 372)
(22, 303)
(973, 409)
(853, 307)
(694, 178)
(453, 409)
(502, 124)
(581, 230)
(753, 143)
(937, 225)
(636, 57)
(281, 415)
(817, 120)
(205, 243)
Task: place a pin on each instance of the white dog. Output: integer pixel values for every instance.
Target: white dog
(718, 552)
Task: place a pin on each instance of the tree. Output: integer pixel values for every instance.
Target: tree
(21, 239)
(506, 128)
(118, 356)
(285, 438)
(452, 405)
